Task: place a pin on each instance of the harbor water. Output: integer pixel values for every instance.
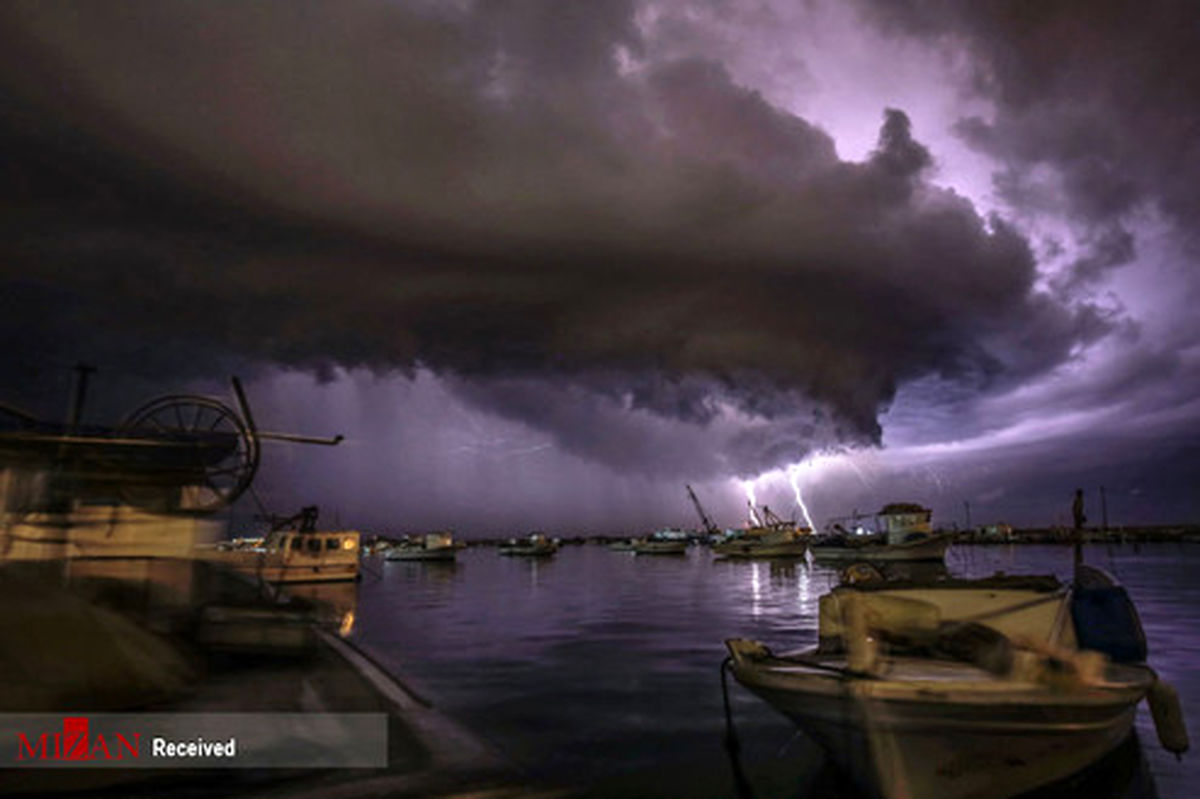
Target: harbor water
(598, 671)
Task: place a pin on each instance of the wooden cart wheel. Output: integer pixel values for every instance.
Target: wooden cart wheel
(224, 455)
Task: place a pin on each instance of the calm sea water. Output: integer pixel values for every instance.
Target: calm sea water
(600, 669)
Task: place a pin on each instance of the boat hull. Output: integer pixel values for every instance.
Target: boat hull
(945, 740)
(440, 554)
(528, 552)
(930, 549)
(320, 573)
(751, 549)
(660, 547)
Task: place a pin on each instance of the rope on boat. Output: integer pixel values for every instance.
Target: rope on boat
(1032, 603)
(732, 745)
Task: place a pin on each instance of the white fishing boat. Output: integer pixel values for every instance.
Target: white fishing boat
(431, 546)
(903, 532)
(534, 545)
(966, 689)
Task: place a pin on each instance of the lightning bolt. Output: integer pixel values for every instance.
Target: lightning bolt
(794, 478)
(748, 487)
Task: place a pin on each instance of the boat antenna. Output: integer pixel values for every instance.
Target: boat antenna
(1078, 518)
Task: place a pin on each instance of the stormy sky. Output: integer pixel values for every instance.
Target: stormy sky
(544, 263)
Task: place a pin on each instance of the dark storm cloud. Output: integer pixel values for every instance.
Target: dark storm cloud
(1106, 94)
(506, 194)
(643, 425)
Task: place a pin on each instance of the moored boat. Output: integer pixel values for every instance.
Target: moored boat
(966, 689)
(295, 551)
(534, 545)
(431, 546)
(876, 548)
(904, 534)
(661, 542)
(771, 538)
(774, 544)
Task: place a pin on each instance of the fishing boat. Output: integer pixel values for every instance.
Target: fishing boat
(902, 533)
(295, 551)
(770, 537)
(662, 542)
(966, 689)
(431, 546)
(534, 545)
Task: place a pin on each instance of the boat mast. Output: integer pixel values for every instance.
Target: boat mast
(773, 519)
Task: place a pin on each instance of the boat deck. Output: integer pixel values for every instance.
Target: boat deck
(892, 669)
(930, 679)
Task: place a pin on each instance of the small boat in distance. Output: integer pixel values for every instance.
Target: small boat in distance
(902, 532)
(771, 537)
(661, 542)
(431, 546)
(966, 689)
(534, 545)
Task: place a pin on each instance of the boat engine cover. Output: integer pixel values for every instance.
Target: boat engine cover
(1106, 621)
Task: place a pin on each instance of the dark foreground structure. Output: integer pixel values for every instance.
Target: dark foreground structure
(102, 643)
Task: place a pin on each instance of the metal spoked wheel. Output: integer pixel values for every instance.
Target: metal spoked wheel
(212, 452)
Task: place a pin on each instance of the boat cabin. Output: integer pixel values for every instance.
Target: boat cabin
(905, 521)
(312, 544)
(438, 541)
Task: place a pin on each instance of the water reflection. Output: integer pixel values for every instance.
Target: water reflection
(427, 571)
(533, 570)
(783, 572)
(332, 603)
(756, 588)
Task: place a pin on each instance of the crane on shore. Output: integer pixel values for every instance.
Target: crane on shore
(709, 527)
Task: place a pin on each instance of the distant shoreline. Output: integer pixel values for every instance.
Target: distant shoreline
(987, 536)
(1134, 534)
